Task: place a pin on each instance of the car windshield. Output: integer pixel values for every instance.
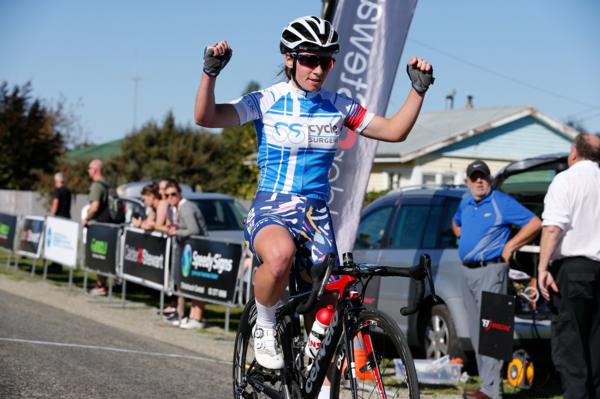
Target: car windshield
(222, 214)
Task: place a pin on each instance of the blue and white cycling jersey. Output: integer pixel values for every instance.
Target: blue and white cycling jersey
(297, 134)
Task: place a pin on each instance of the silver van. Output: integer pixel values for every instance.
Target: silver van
(397, 228)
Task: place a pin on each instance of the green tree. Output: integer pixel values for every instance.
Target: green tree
(30, 140)
(168, 150)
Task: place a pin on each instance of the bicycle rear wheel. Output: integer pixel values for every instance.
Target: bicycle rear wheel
(245, 367)
(380, 350)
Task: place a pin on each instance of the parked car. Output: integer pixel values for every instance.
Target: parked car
(223, 214)
(397, 228)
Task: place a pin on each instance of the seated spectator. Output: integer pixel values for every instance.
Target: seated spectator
(189, 222)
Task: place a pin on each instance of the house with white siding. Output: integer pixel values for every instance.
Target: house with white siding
(443, 143)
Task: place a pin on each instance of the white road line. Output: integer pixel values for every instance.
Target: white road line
(108, 348)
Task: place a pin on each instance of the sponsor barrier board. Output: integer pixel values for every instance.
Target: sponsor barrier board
(101, 248)
(496, 326)
(60, 241)
(207, 268)
(145, 258)
(31, 237)
(8, 227)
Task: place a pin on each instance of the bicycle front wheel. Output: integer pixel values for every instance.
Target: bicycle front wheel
(384, 365)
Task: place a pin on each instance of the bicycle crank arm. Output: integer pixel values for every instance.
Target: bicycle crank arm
(267, 390)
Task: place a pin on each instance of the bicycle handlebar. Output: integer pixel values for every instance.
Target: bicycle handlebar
(320, 275)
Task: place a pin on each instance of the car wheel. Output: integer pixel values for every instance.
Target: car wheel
(439, 334)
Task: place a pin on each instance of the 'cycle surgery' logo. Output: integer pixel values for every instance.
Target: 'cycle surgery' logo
(291, 132)
(186, 260)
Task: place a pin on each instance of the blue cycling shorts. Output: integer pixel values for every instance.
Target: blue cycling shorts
(307, 220)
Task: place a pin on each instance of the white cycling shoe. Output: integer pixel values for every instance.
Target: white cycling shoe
(267, 351)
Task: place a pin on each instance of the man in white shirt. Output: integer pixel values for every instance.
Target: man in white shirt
(571, 239)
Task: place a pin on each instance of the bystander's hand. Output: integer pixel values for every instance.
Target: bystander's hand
(172, 230)
(507, 253)
(546, 282)
(147, 225)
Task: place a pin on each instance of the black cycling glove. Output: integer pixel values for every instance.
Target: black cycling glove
(213, 65)
(420, 80)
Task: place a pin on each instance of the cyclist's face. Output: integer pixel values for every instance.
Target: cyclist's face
(311, 68)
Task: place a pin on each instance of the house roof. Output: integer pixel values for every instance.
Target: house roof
(102, 151)
(436, 130)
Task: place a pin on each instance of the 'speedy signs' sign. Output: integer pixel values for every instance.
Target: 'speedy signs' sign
(209, 268)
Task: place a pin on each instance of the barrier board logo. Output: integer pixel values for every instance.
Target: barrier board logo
(4, 231)
(49, 238)
(186, 260)
(99, 248)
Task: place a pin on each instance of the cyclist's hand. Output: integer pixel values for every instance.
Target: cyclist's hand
(216, 57)
(420, 73)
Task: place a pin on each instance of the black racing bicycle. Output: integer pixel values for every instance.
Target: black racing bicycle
(371, 357)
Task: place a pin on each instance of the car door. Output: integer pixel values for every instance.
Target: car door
(408, 232)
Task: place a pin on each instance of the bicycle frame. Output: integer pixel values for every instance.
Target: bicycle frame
(294, 384)
(347, 309)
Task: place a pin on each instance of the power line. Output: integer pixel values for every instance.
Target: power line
(503, 76)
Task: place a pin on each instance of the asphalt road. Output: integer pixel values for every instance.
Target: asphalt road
(48, 353)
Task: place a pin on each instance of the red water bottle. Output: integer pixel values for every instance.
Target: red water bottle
(317, 333)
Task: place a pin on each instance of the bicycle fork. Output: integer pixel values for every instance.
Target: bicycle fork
(365, 341)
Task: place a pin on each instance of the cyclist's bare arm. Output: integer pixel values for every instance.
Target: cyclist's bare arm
(398, 127)
(206, 112)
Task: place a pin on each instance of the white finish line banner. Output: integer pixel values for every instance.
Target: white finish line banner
(61, 239)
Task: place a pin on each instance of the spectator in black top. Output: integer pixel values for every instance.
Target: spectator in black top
(97, 211)
(61, 199)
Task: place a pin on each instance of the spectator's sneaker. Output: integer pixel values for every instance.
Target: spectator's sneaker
(192, 324)
(99, 291)
(173, 319)
(267, 351)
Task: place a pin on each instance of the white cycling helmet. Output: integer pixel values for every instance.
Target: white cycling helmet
(309, 34)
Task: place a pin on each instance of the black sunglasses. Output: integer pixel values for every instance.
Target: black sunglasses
(167, 195)
(313, 61)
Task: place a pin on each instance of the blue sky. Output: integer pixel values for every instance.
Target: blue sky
(535, 52)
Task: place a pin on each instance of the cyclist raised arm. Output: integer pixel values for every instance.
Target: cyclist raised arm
(298, 126)
(206, 112)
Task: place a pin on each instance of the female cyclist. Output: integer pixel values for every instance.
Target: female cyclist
(298, 125)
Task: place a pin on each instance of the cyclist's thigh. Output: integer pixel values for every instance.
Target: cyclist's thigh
(274, 245)
(267, 210)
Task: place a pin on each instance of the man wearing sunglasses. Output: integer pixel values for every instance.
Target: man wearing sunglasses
(298, 126)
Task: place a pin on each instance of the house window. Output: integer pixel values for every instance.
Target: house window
(428, 178)
(447, 179)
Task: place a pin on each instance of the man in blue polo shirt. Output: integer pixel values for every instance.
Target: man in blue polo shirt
(483, 223)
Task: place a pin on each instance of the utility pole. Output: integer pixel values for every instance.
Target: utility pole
(136, 80)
